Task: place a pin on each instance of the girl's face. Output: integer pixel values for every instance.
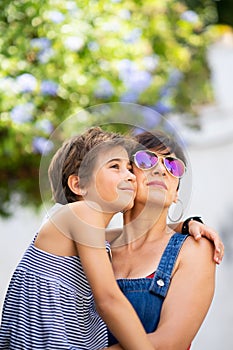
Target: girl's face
(156, 185)
(113, 185)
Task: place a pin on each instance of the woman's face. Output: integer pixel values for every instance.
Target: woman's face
(156, 185)
(113, 185)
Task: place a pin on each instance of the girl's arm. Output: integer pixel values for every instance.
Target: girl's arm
(111, 304)
(195, 229)
(198, 230)
(188, 299)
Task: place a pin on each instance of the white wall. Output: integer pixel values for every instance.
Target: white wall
(211, 155)
(15, 235)
(212, 197)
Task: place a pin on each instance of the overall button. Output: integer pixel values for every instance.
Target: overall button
(160, 283)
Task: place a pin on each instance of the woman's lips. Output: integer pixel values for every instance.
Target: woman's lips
(157, 184)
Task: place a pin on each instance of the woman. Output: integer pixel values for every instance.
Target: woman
(169, 278)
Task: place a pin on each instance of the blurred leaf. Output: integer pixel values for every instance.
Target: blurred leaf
(58, 57)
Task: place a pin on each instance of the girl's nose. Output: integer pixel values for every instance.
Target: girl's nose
(130, 176)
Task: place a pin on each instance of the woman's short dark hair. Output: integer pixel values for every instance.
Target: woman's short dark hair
(161, 142)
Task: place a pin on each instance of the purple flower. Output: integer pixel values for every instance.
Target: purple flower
(22, 113)
(104, 89)
(74, 43)
(151, 62)
(162, 108)
(45, 55)
(40, 43)
(44, 125)
(126, 68)
(175, 77)
(125, 14)
(43, 46)
(133, 36)
(71, 6)
(26, 82)
(190, 16)
(129, 96)
(49, 87)
(56, 16)
(138, 81)
(134, 79)
(113, 26)
(93, 46)
(42, 145)
(173, 80)
(166, 91)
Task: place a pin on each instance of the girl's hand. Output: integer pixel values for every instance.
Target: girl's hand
(197, 230)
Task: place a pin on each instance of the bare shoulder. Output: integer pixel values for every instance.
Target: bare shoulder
(84, 213)
(78, 216)
(201, 250)
(85, 206)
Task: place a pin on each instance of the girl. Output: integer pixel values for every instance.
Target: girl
(65, 276)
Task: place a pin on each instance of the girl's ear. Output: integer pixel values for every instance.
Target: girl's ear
(73, 183)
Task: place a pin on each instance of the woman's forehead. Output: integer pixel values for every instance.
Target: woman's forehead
(161, 151)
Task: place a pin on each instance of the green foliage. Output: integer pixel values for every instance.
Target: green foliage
(58, 57)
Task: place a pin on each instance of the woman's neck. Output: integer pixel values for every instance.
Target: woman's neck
(149, 214)
(147, 224)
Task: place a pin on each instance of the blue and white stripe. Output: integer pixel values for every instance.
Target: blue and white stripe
(49, 306)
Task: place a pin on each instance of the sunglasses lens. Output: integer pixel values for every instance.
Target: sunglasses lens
(145, 160)
(175, 166)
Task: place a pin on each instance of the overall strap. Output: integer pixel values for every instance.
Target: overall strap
(162, 277)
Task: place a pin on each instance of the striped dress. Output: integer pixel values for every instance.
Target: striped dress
(49, 305)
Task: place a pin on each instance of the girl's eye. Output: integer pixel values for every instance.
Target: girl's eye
(115, 166)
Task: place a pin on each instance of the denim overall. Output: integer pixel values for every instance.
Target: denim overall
(147, 294)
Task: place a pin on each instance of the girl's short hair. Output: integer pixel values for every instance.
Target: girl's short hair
(78, 156)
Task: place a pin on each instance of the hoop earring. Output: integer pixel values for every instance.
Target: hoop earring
(181, 213)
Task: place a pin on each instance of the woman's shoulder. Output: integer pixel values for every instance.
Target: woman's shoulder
(194, 257)
(201, 249)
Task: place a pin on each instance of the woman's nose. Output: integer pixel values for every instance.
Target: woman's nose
(159, 168)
